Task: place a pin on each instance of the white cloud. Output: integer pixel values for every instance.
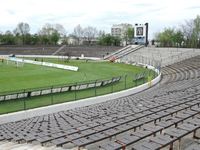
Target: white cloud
(99, 13)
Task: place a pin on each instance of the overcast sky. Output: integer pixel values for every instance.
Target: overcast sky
(101, 14)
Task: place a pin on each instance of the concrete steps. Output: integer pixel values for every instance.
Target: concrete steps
(60, 49)
(124, 51)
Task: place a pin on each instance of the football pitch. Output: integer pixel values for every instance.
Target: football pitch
(28, 76)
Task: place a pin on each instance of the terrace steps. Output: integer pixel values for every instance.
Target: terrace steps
(77, 51)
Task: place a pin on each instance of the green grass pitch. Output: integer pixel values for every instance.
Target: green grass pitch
(14, 78)
(29, 76)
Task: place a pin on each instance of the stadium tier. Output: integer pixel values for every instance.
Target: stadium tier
(87, 51)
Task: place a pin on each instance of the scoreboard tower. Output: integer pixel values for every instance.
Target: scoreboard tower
(141, 34)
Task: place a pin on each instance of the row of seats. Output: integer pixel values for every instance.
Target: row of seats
(182, 70)
(164, 56)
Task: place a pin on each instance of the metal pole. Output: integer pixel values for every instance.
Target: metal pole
(136, 82)
(143, 77)
(51, 99)
(112, 87)
(125, 80)
(51, 95)
(133, 79)
(95, 89)
(75, 92)
(24, 103)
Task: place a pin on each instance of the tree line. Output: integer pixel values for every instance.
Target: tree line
(186, 35)
(53, 34)
(47, 35)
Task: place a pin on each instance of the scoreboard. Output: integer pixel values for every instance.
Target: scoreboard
(141, 34)
(140, 31)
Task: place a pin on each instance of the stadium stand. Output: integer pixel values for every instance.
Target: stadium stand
(27, 50)
(87, 51)
(165, 56)
(165, 116)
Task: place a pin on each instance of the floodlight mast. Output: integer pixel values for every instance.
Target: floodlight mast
(147, 28)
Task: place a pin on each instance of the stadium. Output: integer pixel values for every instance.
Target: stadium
(99, 75)
(148, 100)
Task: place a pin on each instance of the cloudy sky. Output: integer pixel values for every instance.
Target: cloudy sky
(101, 14)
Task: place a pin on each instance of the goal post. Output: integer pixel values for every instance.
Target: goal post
(12, 62)
(2, 58)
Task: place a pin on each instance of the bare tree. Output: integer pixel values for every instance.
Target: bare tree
(101, 33)
(90, 33)
(61, 30)
(50, 33)
(22, 29)
(78, 33)
(187, 30)
(196, 31)
(47, 29)
(191, 31)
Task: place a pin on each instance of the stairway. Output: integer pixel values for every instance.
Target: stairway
(124, 51)
(58, 50)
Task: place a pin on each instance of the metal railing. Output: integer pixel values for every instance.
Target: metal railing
(25, 93)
